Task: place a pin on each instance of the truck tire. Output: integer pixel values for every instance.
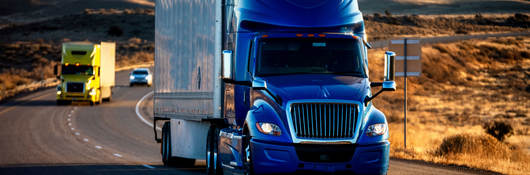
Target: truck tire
(213, 163)
(167, 159)
(247, 150)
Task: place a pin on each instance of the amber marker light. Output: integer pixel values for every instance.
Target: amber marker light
(299, 35)
(310, 35)
(322, 35)
(264, 36)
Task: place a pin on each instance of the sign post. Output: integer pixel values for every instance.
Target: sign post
(408, 63)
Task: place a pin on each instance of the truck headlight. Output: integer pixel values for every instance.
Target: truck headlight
(268, 128)
(59, 90)
(376, 129)
(92, 92)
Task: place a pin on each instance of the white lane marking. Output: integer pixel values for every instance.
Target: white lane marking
(69, 115)
(148, 166)
(69, 119)
(98, 147)
(69, 124)
(85, 139)
(72, 129)
(77, 133)
(140, 115)
(117, 155)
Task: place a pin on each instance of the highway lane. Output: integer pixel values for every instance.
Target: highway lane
(38, 137)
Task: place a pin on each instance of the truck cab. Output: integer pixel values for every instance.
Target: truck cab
(86, 72)
(305, 108)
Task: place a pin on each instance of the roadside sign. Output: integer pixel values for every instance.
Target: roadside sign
(408, 63)
(409, 49)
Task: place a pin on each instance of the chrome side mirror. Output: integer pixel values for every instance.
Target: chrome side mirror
(390, 58)
(389, 76)
(227, 64)
(57, 70)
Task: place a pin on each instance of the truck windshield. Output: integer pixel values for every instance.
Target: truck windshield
(77, 70)
(140, 72)
(279, 56)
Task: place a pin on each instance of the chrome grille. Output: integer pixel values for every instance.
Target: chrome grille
(75, 87)
(324, 120)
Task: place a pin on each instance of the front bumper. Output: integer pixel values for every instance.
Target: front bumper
(273, 158)
(138, 81)
(69, 96)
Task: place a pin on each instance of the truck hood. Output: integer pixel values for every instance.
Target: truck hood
(318, 86)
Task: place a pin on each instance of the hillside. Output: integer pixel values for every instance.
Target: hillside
(463, 86)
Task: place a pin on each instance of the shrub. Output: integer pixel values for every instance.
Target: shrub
(481, 146)
(498, 129)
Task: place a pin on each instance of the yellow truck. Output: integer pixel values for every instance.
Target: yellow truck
(86, 72)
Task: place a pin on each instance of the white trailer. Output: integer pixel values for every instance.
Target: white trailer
(187, 73)
(107, 78)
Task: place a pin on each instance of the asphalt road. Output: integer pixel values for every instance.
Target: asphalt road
(38, 137)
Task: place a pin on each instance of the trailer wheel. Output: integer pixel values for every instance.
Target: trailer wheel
(109, 98)
(164, 144)
(167, 159)
(213, 163)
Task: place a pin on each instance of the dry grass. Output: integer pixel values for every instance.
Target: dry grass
(381, 26)
(463, 85)
(443, 6)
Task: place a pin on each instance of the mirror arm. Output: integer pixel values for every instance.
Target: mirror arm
(368, 99)
(376, 84)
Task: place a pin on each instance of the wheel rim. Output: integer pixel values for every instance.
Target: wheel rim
(247, 152)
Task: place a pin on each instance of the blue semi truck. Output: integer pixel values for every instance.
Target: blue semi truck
(268, 86)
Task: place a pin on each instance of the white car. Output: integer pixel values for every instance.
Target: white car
(140, 76)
